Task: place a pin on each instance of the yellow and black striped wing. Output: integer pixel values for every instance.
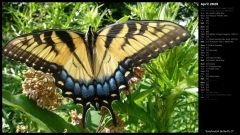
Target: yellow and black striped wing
(135, 42)
(60, 52)
(93, 71)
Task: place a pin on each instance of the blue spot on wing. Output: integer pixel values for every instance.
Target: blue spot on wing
(87, 93)
(91, 90)
(123, 70)
(106, 89)
(77, 89)
(63, 75)
(69, 83)
(119, 77)
(113, 85)
(128, 61)
(54, 67)
(101, 91)
(84, 92)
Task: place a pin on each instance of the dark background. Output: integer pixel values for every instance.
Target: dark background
(222, 113)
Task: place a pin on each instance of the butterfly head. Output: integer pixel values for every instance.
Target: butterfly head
(90, 36)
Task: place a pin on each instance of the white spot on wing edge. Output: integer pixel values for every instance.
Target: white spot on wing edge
(127, 73)
(79, 99)
(156, 50)
(165, 45)
(105, 101)
(113, 95)
(68, 93)
(61, 83)
(122, 87)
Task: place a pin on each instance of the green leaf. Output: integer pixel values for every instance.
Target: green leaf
(123, 19)
(46, 120)
(93, 119)
(139, 97)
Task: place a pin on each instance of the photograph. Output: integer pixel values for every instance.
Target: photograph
(94, 67)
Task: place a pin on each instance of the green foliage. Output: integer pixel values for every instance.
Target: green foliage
(167, 78)
(38, 115)
(166, 100)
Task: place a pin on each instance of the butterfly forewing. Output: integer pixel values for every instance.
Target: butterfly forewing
(53, 51)
(140, 41)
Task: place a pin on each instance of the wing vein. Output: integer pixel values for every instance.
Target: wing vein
(75, 55)
(104, 56)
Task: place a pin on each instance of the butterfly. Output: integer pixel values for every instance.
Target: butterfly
(93, 68)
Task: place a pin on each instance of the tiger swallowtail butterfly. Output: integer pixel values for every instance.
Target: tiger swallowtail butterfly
(93, 67)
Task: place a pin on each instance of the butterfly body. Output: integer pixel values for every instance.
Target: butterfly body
(93, 68)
